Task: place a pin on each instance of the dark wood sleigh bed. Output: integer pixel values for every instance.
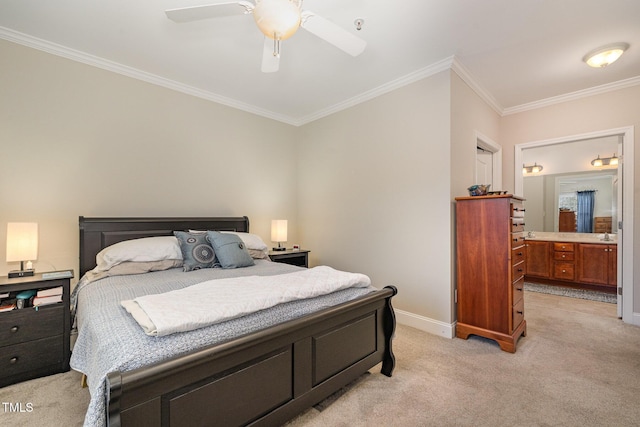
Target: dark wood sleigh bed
(262, 378)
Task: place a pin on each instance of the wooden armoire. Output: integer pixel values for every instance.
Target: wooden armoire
(490, 267)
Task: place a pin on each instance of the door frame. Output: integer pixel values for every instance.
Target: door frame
(488, 144)
(625, 235)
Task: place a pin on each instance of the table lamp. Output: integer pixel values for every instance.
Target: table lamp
(22, 245)
(279, 233)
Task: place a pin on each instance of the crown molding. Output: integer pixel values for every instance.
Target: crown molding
(484, 94)
(451, 62)
(407, 79)
(596, 90)
(95, 61)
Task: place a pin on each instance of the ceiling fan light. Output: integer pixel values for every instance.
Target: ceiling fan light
(606, 55)
(278, 19)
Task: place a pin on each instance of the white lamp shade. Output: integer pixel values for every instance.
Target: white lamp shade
(277, 19)
(22, 241)
(279, 230)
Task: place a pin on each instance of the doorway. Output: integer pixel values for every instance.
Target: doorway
(625, 235)
(488, 162)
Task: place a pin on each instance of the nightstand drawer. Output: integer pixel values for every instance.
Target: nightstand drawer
(20, 358)
(293, 257)
(19, 326)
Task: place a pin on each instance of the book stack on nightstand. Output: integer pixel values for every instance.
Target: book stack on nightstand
(299, 257)
(34, 326)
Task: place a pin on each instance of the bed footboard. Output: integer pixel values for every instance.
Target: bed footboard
(263, 378)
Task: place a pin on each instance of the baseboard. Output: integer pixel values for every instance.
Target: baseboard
(635, 319)
(426, 324)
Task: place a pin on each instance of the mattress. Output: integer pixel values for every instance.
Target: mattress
(109, 339)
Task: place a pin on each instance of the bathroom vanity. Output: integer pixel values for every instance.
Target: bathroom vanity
(582, 260)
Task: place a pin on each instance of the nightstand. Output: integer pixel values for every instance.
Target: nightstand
(34, 342)
(299, 257)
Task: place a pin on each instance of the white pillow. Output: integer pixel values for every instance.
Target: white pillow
(254, 243)
(139, 250)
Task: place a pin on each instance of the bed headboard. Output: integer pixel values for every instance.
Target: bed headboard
(98, 233)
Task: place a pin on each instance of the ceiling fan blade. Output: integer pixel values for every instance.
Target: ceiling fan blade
(195, 13)
(270, 60)
(332, 33)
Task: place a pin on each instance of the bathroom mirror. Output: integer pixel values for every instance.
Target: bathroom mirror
(551, 194)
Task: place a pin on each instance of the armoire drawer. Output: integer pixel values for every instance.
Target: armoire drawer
(518, 313)
(518, 290)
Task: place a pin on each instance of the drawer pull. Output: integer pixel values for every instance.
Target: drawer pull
(520, 270)
(13, 360)
(14, 329)
(519, 253)
(519, 289)
(564, 271)
(520, 312)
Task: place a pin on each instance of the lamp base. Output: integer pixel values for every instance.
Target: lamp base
(21, 273)
(279, 248)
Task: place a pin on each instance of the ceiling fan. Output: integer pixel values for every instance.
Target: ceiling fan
(278, 20)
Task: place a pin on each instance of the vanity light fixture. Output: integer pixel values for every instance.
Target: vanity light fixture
(605, 161)
(535, 168)
(605, 55)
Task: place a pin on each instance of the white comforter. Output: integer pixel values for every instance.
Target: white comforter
(215, 301)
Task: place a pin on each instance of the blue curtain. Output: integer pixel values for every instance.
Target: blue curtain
(586, 203)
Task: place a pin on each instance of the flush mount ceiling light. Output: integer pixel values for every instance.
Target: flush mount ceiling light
(535, 168)
(603, 56)
(605, 161)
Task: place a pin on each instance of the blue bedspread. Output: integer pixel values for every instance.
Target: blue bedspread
(109, 339)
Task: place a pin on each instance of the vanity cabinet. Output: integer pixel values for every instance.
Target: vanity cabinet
(538, 259)
(597, 264)
(490, 266)
(564, 261)
(572, 263)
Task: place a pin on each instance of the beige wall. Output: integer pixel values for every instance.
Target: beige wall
(374, 194)
(77, 140)
(610, 110)
(368, 189)
(469, 115)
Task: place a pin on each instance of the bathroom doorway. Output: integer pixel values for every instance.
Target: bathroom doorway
(625, 200)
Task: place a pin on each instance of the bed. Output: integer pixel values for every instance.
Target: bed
(262, 377)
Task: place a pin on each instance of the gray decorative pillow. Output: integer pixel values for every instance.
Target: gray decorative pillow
(197, 252)
(230, 250)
